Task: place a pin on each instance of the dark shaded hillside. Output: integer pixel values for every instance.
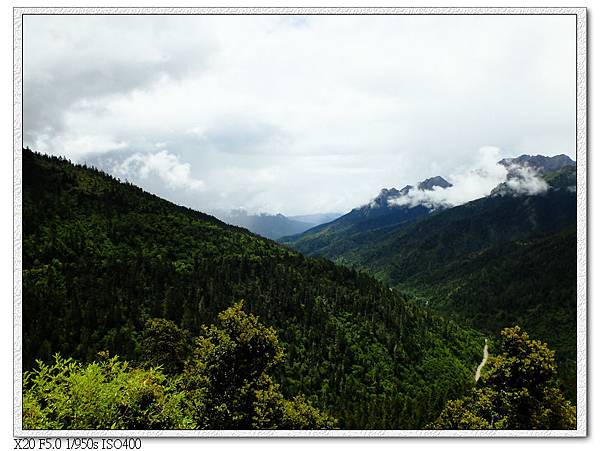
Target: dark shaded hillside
(101, 257)
(491, 263)
(528, 282)
(354, 228)
(420, 248)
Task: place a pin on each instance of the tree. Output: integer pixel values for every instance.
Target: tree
(229, 377)
(518, 390)
(165, 345)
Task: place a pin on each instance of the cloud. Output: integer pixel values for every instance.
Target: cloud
(241, 136)
(524, 180)
(471, 183)
(303, 113)
(478, 181)
(75, 145)
(165, 165)
(79, 63)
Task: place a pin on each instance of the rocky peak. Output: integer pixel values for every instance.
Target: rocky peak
(430, 183)
(540, 163)
(386, 195)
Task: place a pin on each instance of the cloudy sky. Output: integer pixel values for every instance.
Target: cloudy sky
(296, 114)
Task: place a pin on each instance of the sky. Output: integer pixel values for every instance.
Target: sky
(298, 114)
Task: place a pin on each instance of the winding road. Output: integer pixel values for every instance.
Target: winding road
(485, 357)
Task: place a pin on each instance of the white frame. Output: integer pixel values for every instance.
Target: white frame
(581, 142)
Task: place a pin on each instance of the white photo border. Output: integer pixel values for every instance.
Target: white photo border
(580, 15)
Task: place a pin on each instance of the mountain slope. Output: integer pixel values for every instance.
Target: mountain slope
(528, 282)
(353, 229)
(393, 208)
(491, 263)
(101, 257)
(442, 237)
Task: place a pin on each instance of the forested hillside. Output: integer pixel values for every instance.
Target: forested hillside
(101, 257)
(518, 389)
(528, 282)
(491, 263)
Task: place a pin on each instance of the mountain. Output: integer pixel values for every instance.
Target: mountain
(530, 282)
(433, 182)
(269, 226)
(316, 218)
(353, 228)
(393, 208)
(505, 259)
(540, 163)
(101, 257)
(534, 178)
(411, 249)
(275, 226)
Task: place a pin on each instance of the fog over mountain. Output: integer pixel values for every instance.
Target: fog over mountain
(293, 114)
(520, 176)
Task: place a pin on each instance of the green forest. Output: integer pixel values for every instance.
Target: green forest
(103, 261)
(518, 389)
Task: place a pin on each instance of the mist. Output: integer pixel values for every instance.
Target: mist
(476, 182)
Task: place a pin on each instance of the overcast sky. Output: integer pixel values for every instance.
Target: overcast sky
(296, 114)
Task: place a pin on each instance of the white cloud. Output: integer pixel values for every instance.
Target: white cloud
(77, 146)
(165, 165)
(299, 114)
(478, 181)
(472, 183)
(525, 180)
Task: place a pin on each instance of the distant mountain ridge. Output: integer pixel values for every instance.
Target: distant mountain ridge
(387, 211)
(386, 196)
(274, 226)
(530, 175)
(433, 182)
(316, 218)
(381, 213)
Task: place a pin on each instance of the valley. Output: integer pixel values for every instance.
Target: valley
(383, 340)
(507, 258)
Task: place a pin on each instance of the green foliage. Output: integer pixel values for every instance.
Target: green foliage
(165, 345)
(101, 258)
(239, 349)
(108, 394)
(225, 385)
(229, 382)
(529, 282)
(518, 390)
